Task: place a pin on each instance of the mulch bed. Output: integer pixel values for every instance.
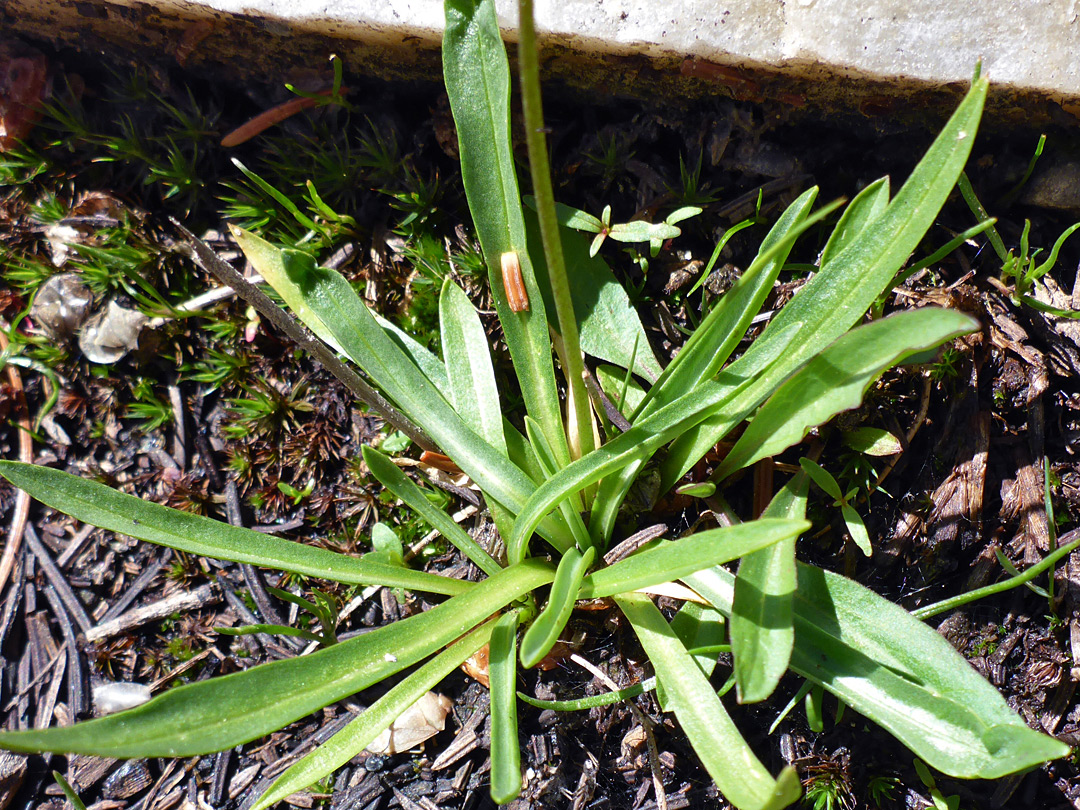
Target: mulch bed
(81, 605)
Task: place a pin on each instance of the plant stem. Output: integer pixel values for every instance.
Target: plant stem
(579, 417)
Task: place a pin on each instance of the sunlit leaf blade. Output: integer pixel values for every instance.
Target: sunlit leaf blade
(738, 774)
(505, 748)
(337, 306)
(700, 626)
(477, 77)
(673, 560)
(468, 365)
(762, 633)
(269, 260)
(391, 477)
(837, 296)
(545, 629)
(216, 714)
(857, 529)
(822, 477)
(609, 324)
(710, 346)
(102, 506)
(361, 732)
(903, 675)
(867, 206)
(836, 379)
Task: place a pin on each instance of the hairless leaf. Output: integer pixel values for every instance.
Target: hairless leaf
(216, 714)
(477, 77)
(544, 631)
(672, 560)
(762, 632)
(836, 379)
(362, 731)
(391, 477)
(903, 675)
(505, 748)
(838, 295)
(737, 772)
(867, 206)
(102, 506)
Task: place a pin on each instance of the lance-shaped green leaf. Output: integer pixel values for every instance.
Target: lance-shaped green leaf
(638, 443)
(710, 346)
(868, 205)
(837, 296)
(477, 77)
(739, 774)
(672, 560)
(336, 305)
(391, 477)
(903, 675)
(468, 365)
(102, 506)
(362, 731)
(544, 631)
(505, 748)
(762, 632)
(610, 326)
(835, 380)
(216, 714)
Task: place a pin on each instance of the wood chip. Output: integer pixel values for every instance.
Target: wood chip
(177, 603)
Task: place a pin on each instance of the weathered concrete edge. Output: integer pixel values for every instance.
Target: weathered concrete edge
(245, 46)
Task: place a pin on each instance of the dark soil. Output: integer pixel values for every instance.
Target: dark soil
(978, 428)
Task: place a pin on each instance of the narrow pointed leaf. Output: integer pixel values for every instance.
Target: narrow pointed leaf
(673, 560)
(739, 774)
(102, 506)
(216, 714)
(762, 632)
(362, 731)
(867, 206)
(545, 629)
(836, 379)
(391, 477)
(468, 365)
(837, 296)
(901, 674)
(477, 77)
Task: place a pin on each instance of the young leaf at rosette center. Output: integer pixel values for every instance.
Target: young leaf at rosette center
(545, 629)
(762, 632)
(219, 713)
(836, 379)
(99, 505)
(738, 773)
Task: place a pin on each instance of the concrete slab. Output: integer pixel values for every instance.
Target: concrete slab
(862, 54)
